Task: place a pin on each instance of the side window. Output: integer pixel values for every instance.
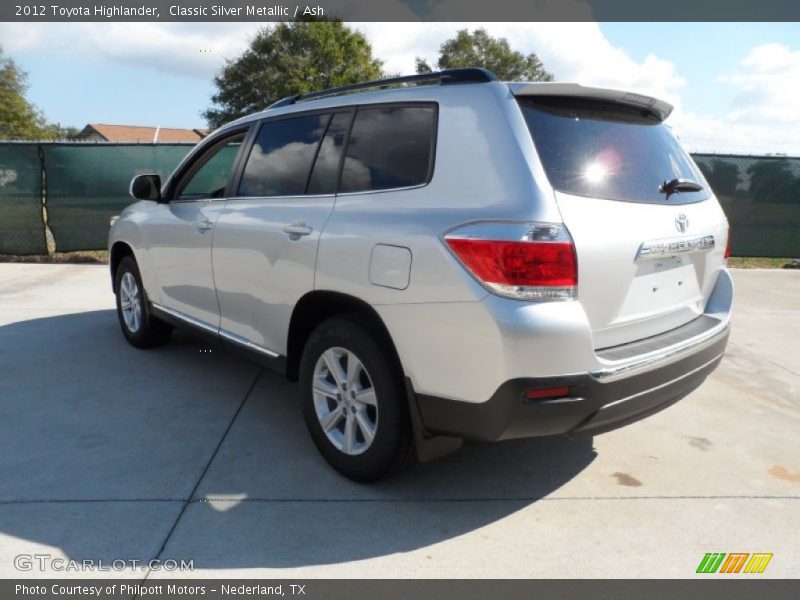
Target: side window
(389, 147)
(280, 161)
(326, 167)
(208, 176)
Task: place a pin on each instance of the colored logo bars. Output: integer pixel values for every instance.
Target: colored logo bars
(736, 562)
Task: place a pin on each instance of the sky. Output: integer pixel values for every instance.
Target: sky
(735, 86)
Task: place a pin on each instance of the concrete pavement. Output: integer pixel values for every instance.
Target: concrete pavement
(107, 452)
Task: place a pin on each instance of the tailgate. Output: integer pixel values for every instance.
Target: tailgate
(648, 233)
(637, 274)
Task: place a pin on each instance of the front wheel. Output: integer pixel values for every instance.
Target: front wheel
(354, 401)
(139, 327)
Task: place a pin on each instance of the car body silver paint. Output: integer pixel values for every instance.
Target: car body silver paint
(455, 339)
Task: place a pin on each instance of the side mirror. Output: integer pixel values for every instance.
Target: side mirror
(146, 187)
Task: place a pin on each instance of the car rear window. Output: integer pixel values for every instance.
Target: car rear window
(607, 150)
(389, 147)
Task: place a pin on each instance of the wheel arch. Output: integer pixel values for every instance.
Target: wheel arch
(320, 305)
(118, 251)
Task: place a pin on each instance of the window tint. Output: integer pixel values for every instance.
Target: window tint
(607, 150)
(388, 148)
(208, 177)
(280, 161)
(326, 168)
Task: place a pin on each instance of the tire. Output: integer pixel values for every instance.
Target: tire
(374, 401)
(139, 327)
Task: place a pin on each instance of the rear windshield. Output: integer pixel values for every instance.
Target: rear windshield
(607, 150)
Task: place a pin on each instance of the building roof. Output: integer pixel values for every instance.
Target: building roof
(141, 134)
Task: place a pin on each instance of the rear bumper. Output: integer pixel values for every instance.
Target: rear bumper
(597, 402)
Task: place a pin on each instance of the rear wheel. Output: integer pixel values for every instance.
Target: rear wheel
(354, 401)
(139, 327)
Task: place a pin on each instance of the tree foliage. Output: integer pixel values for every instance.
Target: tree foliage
(19, 119)
(773, 180)
(291, 58)
(723, 176)
(479, 49)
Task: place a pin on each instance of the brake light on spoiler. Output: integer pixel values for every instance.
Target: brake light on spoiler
(524, 261)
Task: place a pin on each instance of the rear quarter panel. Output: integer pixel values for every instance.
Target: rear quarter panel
(480, 172)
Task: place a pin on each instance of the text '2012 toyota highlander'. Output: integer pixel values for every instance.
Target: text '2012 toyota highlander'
(462, 259)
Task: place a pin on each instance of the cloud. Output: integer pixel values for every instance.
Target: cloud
(761, 114)
(764, 114)
(186, 49)
(576, 52)
(769, 86)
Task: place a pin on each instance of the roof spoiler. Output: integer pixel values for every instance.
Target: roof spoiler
(659, 107)
(446, 77)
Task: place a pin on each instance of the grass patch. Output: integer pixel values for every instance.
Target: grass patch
(757, 262)
(96, 257)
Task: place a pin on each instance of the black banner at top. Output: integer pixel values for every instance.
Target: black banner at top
(403, 10)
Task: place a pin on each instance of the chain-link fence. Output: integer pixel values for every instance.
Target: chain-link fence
(761, 197)
(73, 189)
(22, 228)
(87, 184)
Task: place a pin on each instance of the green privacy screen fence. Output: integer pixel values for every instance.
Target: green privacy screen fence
(761, 197)
(21, 223)
(87, 184)
(82, 186)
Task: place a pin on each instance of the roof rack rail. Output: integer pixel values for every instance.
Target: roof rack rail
(446, 77)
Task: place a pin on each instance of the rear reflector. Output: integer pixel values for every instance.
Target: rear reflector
(531, 261)
(542, 393)
(728, 246)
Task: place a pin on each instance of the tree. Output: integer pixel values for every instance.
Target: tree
(291, 58)
(773, 180)
(723, 176)
(19, 119)
(479, 49)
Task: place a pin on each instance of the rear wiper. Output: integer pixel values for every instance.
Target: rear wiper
(679, 185)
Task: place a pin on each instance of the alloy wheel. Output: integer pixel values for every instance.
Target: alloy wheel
(345, 401)
(130, 302)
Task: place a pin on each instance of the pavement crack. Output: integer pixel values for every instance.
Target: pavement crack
(764, 358)
(188, 501)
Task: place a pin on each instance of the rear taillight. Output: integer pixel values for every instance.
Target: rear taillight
(728, 246)
(525, 261)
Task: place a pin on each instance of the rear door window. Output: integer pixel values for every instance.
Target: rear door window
(280, 160)
(607, 150)
(389, 147)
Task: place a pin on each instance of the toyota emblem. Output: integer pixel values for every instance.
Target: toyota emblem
(682, 222)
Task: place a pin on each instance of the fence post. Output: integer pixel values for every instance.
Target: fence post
(49, 247)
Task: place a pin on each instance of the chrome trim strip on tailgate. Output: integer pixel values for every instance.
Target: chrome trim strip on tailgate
(215, 330)
(676, 245)
(663, 357)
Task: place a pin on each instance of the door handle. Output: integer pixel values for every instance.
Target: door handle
(203, 226)
(297, 229)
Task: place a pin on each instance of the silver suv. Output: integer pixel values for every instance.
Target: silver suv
(440, 257)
